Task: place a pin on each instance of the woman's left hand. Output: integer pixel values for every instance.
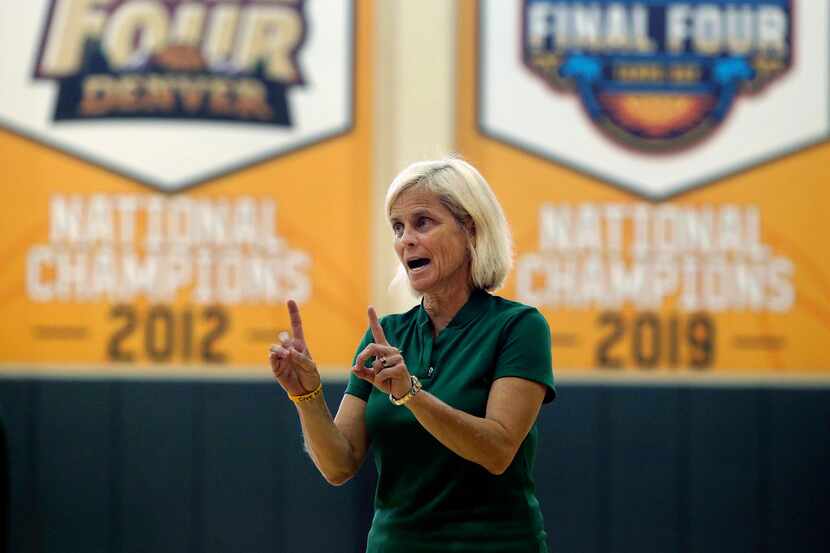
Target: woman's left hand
(388, 372)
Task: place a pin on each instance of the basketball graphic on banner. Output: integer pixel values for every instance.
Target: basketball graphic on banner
(662, 75)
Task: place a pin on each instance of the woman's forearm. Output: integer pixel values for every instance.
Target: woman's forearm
(491, 441)
(480, 440)
(333, 455)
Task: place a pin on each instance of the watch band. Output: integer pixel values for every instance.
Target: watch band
(415, 387)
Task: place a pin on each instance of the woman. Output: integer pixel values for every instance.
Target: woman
(447, 393)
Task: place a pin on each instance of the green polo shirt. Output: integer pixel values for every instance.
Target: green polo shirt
(428, 498)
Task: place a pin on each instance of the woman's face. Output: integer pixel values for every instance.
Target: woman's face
(430, 243)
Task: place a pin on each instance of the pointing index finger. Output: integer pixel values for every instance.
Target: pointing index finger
(377, 330)
(296, 321)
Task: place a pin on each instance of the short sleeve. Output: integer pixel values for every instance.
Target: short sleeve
(526, 351)
(357, 387)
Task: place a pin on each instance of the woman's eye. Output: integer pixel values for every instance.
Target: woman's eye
(398, 229)
(423, 221)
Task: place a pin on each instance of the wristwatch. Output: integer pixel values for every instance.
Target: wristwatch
(415, 387)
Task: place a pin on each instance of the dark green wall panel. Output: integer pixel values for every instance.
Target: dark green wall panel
(725, 472)
(74, 466)
(568, 464)
(642, 482)
(243, 468)
(159, 467)
(17, 399)
(798, 459)
(191, 467)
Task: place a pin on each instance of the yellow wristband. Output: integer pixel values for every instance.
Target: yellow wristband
(317, 392)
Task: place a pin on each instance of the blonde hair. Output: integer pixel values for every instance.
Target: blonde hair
(465, 193)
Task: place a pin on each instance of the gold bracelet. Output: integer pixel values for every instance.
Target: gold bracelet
(414, 388)
(317, 392)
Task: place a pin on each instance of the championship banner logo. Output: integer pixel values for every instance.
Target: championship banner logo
(221, 84)
(671, 90)
(663, 166)
(659, 75)
(173, 60)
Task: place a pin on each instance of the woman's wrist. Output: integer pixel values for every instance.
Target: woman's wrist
(414, 388)
(308, 396)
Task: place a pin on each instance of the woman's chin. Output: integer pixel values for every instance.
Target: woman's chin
(419, 287)
(419, 284)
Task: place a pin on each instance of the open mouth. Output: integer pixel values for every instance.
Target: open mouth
(417, 263)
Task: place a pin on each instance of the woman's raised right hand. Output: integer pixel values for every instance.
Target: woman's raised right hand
(291, 361)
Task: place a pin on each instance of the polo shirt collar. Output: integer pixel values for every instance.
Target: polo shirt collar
(475, 306)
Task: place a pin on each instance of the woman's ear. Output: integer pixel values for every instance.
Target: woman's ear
(470, 227)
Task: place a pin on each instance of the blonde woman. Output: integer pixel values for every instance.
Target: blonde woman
(447, 393)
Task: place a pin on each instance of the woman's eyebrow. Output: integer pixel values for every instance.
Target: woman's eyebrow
(421, 211)
(418, 212)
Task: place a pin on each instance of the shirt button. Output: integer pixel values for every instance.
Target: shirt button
(430, 371)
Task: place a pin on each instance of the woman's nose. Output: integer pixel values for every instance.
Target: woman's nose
(408, 237)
